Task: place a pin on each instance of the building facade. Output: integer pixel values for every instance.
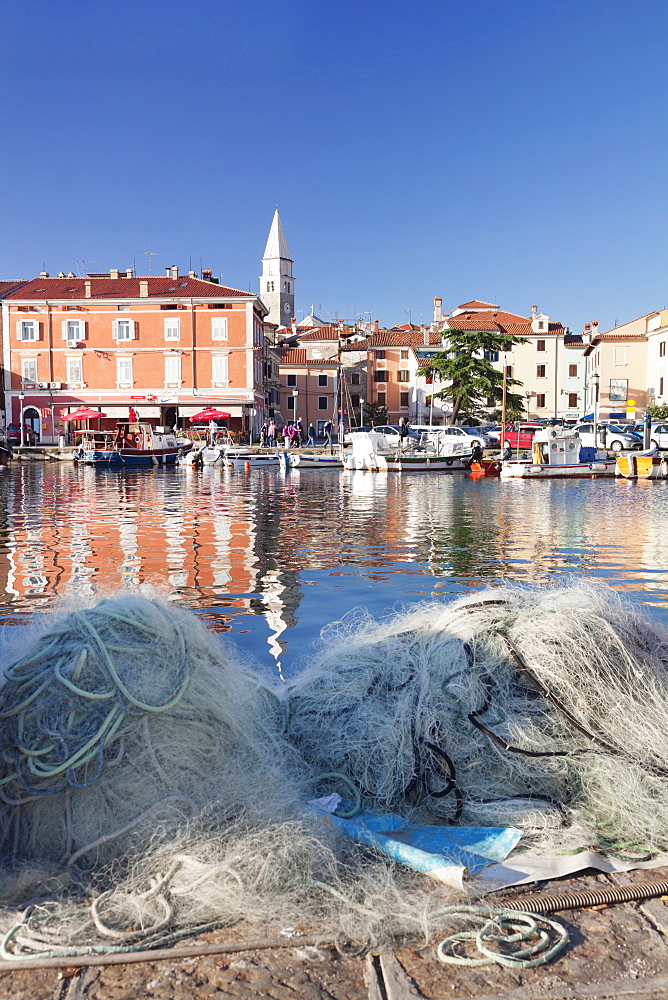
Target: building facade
(165, 346)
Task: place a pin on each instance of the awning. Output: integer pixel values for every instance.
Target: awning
(187, 410)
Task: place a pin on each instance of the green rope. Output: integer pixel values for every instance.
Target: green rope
(349, 813)
(501, 927)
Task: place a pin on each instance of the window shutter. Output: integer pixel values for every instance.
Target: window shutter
(132, 329)
(19, 329)
(219, 368)
(82, 329)
(172, 369)
(114, 334)
(219, 327)
(65, 337)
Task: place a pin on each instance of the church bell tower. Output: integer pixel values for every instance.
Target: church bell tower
(277, 285)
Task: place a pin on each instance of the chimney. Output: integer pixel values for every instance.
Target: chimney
(175, 272)
(376, 325)
(61, 274)
(206, 275)
(192, 274)
(594, 324)
(71, 274)
(113, 272)
(438, 310)
(44, 274)
(88, 289)
(143, 288)
(293, 324)
(129, 272)
(425, 337)
(534, 312)
(168, 272)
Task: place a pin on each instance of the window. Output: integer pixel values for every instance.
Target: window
(75, 370)
(541, 326)
(27, 329)
(322, 381)
(123, 329)
(403, 375)
(662, 349)
(403, 356)
(491, 355)
(540, 345)
(380, 376)
(540, 401)
(123, 373)
(170, 305)
(355, 378)
(572, 371)
(380, 355)
(355, 400)
(291, 400)
(380, 398)
(219, 327)
(219, 369)
(509, 371)
(74, 329)
(403, 399)
(540, 371)
(573, 400)
(323, 402)
(172, 326)
(29, 369)
(173, 370)
(123, 309)
(291, 380)
(661, 387)
(270, 286)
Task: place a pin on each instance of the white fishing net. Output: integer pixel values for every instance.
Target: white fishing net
(152, 786)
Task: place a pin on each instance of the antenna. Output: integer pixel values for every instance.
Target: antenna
(80, 265)
(149, 253)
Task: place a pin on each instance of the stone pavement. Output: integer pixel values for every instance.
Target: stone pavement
(615, 951)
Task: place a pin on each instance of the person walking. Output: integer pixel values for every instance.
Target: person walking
(328, 434)
(286, 435)
(403, 433)
(295, 436)
(271, 438)
(300, 428)
(264, 432)
(311, 436)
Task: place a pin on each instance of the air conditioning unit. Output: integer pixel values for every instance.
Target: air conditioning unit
(55, 385)
(72, 343)
(42, 385)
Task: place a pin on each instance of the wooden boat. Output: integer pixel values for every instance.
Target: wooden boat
(320, 462)
(131, 444)
(558, 453)
(243, 458)
(650, 464)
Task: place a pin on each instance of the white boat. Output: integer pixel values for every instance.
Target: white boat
(370, 453)
(297, 461)
(242, 458)
(557, 452)
(131, 444)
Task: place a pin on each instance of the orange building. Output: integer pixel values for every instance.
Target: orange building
(166, 346)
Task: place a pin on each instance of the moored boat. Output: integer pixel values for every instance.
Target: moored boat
(650, 464)
(131, 444)
(297, 461)
(369, 453)
(558, 453)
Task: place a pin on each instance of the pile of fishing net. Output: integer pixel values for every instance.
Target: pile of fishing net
(544, 709)
(153, 785)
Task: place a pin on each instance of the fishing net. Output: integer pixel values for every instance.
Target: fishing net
(152, 785)
(543, 709)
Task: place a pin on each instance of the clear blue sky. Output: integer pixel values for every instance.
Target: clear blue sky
(509, 151)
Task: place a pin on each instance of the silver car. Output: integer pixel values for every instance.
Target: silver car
(609, 436)
(659, 435)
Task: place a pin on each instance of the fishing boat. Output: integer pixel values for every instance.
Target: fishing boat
(243, 458)
(557, 452)
(370, 453)
(650, 464)
(131, 444)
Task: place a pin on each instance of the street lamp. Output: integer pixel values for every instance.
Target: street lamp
(528, 395)
(21, 398)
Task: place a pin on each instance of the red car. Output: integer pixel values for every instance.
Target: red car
(520, 434)
(14, 434)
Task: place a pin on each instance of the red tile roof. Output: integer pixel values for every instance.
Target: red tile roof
(125, 288)
(501, 322)
(9, 286)
(323, 333)
(477, 304)
(395, 338)
(297, 356)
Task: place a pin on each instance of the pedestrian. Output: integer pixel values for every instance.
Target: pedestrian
(311, 436)
(300, 428)
(476, 453)
(264, 432)
(403, 432)
(286, 435)
(328, 434)
(271, 436)
(507, 452)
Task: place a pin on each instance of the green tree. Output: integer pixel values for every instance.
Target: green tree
(375, 414)
(469, 376)
(659, 412)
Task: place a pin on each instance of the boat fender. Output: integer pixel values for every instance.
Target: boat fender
(448, 461)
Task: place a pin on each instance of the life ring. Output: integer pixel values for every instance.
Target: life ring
(137, 440)
(448, 461)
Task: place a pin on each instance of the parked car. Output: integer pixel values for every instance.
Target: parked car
(478, 432)
(659, 435)
(30, 437)
(520, 433)
(466, 435)
(392, 437)
(609, 436)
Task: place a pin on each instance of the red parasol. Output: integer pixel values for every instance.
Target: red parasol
(209, 413)
(83, 413)
(133, 416)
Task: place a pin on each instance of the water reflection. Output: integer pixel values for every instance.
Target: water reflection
(272, 558)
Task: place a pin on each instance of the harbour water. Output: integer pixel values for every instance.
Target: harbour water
(271, 558)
